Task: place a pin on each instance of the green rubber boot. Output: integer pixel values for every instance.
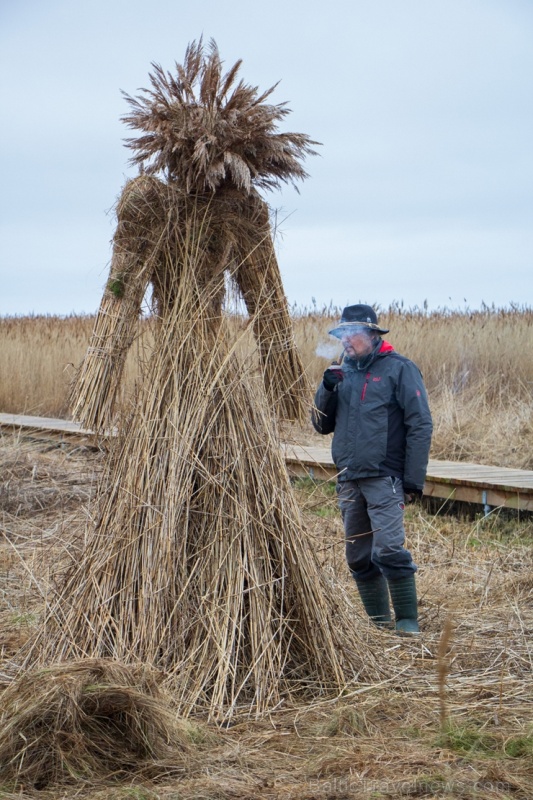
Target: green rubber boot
(403, 596)
(375, 597)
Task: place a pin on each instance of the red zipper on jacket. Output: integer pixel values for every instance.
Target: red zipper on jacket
(363, 393)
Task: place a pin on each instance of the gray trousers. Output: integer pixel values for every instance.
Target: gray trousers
(372, 513)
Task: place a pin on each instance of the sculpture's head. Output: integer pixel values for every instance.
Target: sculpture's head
(201, 128)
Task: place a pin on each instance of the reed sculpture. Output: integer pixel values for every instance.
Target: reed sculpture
(199, 562)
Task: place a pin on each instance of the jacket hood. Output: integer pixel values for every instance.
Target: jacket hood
(386, 347)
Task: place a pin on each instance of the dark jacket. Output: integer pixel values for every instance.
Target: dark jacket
(380, 419)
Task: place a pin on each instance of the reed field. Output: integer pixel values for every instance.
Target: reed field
(476, 365)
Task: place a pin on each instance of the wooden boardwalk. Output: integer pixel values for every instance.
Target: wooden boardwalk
(491, 487)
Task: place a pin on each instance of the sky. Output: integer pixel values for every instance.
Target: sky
(422, 192)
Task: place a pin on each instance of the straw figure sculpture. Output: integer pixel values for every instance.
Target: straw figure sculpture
(199, 562)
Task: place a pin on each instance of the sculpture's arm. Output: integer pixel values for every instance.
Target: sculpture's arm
(140, 217)
(259, 280)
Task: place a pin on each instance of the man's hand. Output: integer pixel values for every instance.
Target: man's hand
(332, 377)
(412, 494)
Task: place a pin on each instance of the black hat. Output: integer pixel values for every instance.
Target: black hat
(358, 315)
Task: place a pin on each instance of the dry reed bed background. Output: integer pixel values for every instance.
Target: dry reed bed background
(453, 721)
(477, 367)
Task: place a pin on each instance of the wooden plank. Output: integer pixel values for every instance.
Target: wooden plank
(448, 480)
(457, 471)
(494, 498)
(57, 430)
(462, 481)
(42, 423)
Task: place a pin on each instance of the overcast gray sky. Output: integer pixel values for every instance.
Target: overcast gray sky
(423, 190)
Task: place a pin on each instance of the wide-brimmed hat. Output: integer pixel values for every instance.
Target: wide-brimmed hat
(358, 315)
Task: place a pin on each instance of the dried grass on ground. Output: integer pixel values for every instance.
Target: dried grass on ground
(89, 719)
(475, 365)
(454, 721)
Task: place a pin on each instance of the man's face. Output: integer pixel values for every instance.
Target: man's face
(357, 342)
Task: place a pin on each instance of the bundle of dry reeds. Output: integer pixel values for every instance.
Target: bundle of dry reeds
(199, 561)
(135, 251)
(86, 720)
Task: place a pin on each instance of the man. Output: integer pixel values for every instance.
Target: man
(376, 406)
